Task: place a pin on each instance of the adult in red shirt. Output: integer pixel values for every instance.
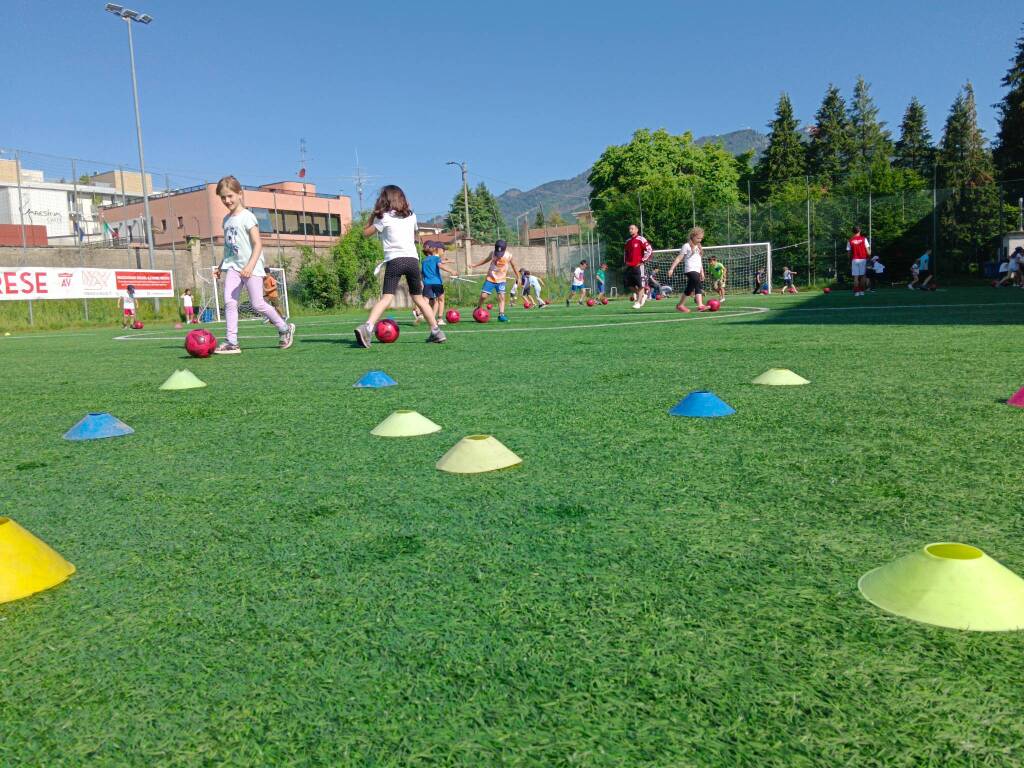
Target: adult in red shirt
(859, 248)
(638, 251)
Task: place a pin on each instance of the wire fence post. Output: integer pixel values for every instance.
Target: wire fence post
(21, 217)
(78, 224)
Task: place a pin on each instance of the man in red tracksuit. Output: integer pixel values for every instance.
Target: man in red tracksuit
(859, 248)
(638, 251)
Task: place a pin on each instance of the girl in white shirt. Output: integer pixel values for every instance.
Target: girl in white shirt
(395, 222)
(692, 256)
(186, 302)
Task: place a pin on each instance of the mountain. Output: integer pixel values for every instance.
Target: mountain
(568, 195)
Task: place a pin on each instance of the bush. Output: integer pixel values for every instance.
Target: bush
(355, 256)
(318, 285)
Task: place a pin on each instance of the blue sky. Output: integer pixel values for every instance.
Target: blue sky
(525, 92)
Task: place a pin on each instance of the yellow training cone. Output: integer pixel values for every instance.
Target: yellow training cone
(780, 377)
(183, 380)
(949, 585)
(27, 565)
(477, 453)
(405, 424)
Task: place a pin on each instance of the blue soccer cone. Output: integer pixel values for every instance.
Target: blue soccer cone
(702, 405)
(97, 425)
(375, 380)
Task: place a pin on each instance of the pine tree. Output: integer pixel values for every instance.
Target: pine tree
(870, 141)
(538, 221)
(829, 149)
(485, 219)
(970, 214)
(784, 157)
(1009, 150)
(914, 150)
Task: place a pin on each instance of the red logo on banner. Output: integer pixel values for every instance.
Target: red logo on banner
(65, 278)
(143, 281)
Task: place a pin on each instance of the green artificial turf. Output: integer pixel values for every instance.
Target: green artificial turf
(262, 582)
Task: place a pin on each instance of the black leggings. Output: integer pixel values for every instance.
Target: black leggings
(693, 284)
(410, 268)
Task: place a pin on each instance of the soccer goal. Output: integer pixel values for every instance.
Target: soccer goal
(749, 268)
(211, 292)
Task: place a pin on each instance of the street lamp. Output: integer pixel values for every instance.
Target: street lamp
(465, 203)
(142, 18)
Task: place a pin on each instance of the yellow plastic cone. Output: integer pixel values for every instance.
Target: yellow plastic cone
(405, 424)
(949, 585)
(183, 380)
(27, 564)
(477, 453)
(780, 377)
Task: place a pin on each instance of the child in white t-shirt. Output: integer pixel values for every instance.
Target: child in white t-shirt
(127, 303)
(692, 256)
(242, 264)
(395, 222)
(186, 303)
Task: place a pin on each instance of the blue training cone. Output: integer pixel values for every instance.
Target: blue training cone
(375, 380)
(702, 405)
(97, 425)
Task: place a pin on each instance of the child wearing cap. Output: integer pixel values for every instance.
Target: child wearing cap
(498, 263)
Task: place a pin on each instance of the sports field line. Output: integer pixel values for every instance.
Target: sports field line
(448, 329)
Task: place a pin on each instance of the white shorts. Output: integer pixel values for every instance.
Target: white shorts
(859, 267)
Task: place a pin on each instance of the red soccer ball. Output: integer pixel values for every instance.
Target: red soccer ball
(995, 283)
(591, 302)
(490, 306)
(932, 287)
(200, 343)
(386, 331)
(714, 304)
(137, 325)
(527, 305)
(452, 316)
(481, 315)
(826, 289)
(604, 300)
(657, 297)
(764, 291)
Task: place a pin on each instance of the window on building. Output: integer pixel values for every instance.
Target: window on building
(163, 225)
(334, 225)
(292, 223)
(263, 220)
(181, 222)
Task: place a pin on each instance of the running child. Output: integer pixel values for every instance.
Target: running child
(127, 304)
(787, 280)
(242, 264)
(433, 283)
(579, 283)
(760, 281)
(718, 273)
(394, 221)
(601, 274)
(498, 262)
(877, 268)
(186, 302)
(924, 268)
(692, 256)
(534, 285)
(915, 274)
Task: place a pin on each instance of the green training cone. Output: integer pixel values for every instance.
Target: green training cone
(405, 424)
(949, 585)
(477, 453)
(183, 380)
(780, 377)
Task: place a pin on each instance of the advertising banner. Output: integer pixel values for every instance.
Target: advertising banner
(35, 283)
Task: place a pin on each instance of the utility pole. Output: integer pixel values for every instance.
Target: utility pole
(465, 202)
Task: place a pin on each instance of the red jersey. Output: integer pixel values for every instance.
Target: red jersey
(858, 247)
(638, 250)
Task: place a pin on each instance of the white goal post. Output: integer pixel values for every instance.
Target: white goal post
(212, 297)
(744, 263)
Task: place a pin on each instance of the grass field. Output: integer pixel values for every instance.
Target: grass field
(262, 582)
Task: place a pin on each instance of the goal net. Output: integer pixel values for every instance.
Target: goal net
(748, 265)
(211, 291)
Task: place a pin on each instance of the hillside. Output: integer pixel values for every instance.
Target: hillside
(568, 195)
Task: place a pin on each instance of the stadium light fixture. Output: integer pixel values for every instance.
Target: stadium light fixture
(129, 16)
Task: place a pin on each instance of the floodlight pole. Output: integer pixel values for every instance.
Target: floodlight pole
(129, 16)
(465, 203)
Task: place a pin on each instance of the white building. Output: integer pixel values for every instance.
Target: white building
(57, 205)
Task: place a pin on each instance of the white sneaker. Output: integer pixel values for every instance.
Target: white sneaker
(441, 322)
(637, 305)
